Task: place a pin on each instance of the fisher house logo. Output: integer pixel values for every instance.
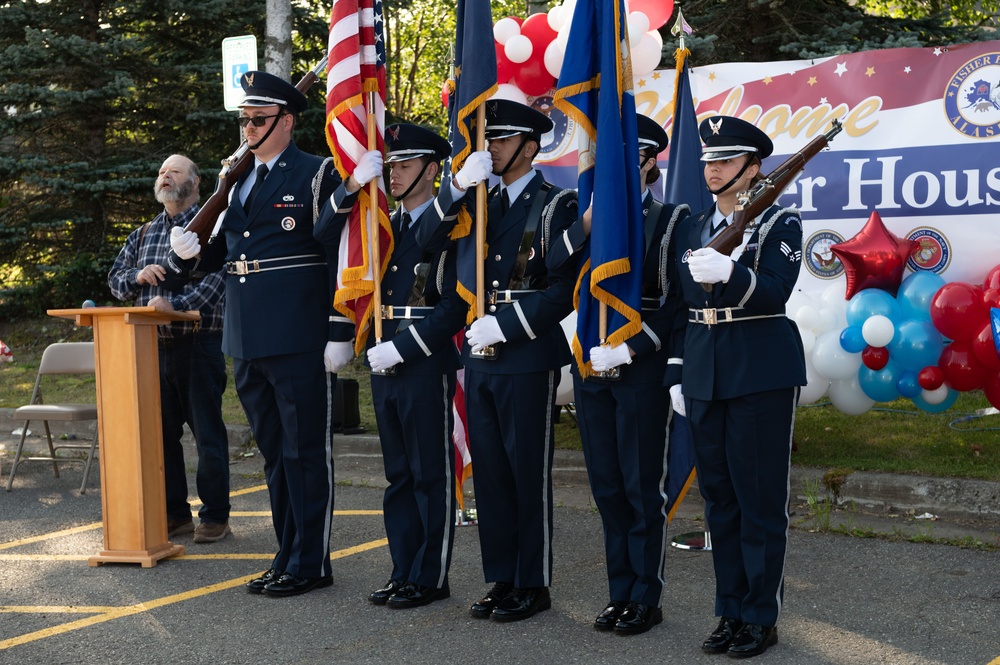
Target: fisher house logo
(972, 97)
(932, 252)
(820, 261)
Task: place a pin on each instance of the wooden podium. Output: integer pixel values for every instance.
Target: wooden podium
(133, 492)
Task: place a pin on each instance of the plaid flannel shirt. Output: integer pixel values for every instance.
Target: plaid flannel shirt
(150, 244)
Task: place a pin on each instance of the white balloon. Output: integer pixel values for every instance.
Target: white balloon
(645, 56)
(808, 340)
(878, 330)
(848, 396)
(638, 25)
(816, 385)
(563, 37)
(833, 295)
(828, 320)
(556, 17)
(807, 318)
(554, 54)
(511, 92)
(655, 34)
(796, 301)
(935, 396)
(504, 29)
(518, 48)
(831, 360)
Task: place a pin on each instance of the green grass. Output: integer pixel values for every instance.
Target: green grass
(895, 437)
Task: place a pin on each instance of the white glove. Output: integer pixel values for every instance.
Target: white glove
(677, 399)
(477, 168)
(603, 358)
(184, 243)
(369, 167)
(336, 355)
(707, 266)
(484, 332)
(383, 356)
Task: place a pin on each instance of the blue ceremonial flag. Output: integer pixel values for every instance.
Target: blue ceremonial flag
(685, 181)
(473, 81)
(595, 90)
(475, 75)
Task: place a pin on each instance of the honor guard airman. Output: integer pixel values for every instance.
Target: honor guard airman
(513, 355)
(280, 327)
(624, 416)
(413, 368)
(742, 366)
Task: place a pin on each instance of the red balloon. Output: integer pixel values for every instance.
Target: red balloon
(505, 68)
(957, 311)
(991, 389)
(874, 258)
(991, 297)
(992, 280)
(930, 377)
(657, 11)
(962, 371)
(984, 348)
(875, 357)
(536, 28)
(532, 78)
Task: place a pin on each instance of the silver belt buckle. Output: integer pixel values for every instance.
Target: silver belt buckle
(709, 315)
(242, 267)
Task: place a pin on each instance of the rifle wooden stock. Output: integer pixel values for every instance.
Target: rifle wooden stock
(756, 200)
(233, 167)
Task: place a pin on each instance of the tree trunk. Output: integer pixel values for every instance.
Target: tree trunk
(278, 39)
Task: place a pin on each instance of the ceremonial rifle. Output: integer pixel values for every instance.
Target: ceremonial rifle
(751, 203)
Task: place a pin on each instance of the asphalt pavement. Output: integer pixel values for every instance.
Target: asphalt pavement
(900, 598)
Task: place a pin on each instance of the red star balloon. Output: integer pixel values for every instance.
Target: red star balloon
(874, 258)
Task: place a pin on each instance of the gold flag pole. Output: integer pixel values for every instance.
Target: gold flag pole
(375, 248)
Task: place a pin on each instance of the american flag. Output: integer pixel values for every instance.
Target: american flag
(460, 433)
(355, 89)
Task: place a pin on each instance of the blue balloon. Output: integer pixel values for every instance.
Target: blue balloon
(851, 339)
(937, 408)
(879, 385)
(908, 385)
(916, 345)
(995, 325)
(869, 302)
(916, 292)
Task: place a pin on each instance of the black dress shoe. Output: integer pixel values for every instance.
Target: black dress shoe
(721, 637)
(380, 596)
(414, 595)
(607, 619)
(257, 584)
(522, 604)
(752, 640)
(482, 608)
(290, 585)
(638, 618)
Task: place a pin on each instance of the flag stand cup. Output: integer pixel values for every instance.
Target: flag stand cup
(466, 517)
(697, 541)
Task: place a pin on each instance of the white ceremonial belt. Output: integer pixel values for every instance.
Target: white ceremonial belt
(711, 316)
(245, 267)
(405, 312)
(508, 296)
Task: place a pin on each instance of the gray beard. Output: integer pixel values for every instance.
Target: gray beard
(179, 193)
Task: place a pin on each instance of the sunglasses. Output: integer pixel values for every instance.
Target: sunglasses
(257, 120)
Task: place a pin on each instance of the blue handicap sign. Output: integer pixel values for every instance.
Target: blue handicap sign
(238, 71)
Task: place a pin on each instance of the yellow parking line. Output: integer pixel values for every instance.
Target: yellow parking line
(129, 610)
(57, 609)
(49, 536)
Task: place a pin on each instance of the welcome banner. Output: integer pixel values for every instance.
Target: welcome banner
(920, 145)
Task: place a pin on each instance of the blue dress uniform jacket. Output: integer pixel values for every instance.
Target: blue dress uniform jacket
(413, 405)
(726, 360)
(740, 381)
(277, 322)
(510, 400)
(624, 424)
